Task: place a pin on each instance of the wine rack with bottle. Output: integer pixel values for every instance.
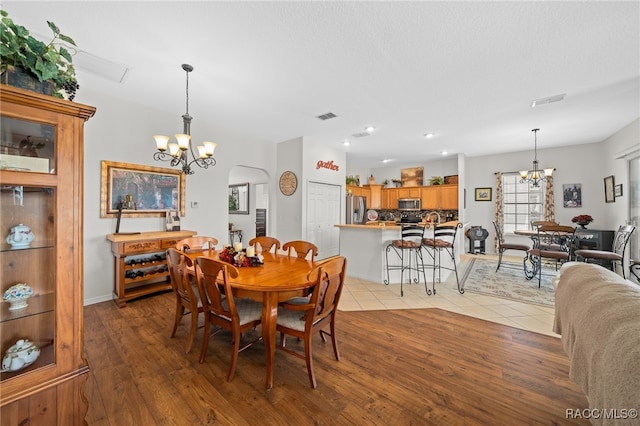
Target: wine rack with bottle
(139, 263)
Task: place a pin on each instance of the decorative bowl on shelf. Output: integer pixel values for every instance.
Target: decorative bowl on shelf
(20, 236)
(17, 296)
(20, 355)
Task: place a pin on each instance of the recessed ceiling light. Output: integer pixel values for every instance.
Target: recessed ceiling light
(346, 142)
(444, 152)
(386, 160)
(429, 135)
(370, 129)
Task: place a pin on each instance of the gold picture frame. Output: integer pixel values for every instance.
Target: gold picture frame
(483, 194)
(145, 191)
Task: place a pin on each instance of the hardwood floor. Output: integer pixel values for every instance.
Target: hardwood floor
(424, 366)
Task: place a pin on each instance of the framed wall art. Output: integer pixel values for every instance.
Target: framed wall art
(239, 198)
(617, 190)
(572, 195)
(609, 184)
(412, 176)
(144, 191)
(483, 194)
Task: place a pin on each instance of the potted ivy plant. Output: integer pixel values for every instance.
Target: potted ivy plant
(22, 53)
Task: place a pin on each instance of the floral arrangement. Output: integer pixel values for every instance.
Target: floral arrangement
(583, 219)
(239, 258)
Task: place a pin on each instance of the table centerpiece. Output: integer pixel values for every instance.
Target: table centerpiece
(239, 258)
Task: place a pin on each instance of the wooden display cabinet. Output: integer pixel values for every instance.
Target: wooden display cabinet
(140, 265)
(41, 170)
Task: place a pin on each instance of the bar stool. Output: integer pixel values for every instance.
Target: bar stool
(407, 247)
(444, 237)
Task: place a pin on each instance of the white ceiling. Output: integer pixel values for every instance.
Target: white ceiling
(466, 71)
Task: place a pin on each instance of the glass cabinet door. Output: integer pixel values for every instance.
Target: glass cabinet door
(28, 259)
(27, 146)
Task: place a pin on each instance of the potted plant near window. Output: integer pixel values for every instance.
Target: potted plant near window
(23, 57)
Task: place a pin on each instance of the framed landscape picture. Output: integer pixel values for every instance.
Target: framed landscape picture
(483, 194)
(145, 191)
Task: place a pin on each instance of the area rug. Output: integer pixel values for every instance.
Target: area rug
(508, 282)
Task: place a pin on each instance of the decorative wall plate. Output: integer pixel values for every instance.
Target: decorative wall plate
(288, 183)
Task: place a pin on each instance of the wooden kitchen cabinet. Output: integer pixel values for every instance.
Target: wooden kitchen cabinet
(375, 196)
(448, 197)
(42, 188)
(389, 198)
(360, 191)
(439, 197)
(409, 192)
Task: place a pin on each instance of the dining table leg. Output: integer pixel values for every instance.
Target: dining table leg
(269, 319)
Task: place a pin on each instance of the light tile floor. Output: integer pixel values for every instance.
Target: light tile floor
(366, 295)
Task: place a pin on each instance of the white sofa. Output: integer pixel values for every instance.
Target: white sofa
(597, 313)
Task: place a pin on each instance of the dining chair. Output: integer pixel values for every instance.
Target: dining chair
(266, 243)
(303, 321)
(504, 246)
(444, 238)
(615, 255)
(554, 242)
(186, 291)
(408, 252)
(301, 249)
(197, 243)
(226, 312)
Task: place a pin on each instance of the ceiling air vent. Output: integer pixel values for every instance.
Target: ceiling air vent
(549, 100)
(327, 116)
(361, 134)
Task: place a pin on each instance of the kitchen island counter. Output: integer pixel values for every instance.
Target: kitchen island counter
(364, 246)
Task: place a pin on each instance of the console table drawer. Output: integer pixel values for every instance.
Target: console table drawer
(137, 246)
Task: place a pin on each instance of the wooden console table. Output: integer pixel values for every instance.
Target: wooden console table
(139, 263)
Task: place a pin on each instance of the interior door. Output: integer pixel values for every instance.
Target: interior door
(261, 222)
(323, 212)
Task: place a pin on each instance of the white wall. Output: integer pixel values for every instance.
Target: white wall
(445, 167)
(587, 164)
(289, 208)
(123, 132)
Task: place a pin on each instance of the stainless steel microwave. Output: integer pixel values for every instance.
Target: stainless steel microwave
(409, 204)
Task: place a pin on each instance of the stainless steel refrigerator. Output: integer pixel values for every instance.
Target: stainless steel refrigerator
(356, 209)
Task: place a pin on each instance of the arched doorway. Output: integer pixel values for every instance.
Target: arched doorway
(256, 219)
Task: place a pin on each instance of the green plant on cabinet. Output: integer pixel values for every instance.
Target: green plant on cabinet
(46, 62)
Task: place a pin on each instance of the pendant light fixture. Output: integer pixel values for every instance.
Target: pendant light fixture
(536, 175)
(178, 152)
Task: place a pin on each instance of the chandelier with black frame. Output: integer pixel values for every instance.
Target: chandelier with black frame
(178, 153)
(536, 175)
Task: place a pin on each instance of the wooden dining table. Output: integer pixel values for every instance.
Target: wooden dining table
(279, 278)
